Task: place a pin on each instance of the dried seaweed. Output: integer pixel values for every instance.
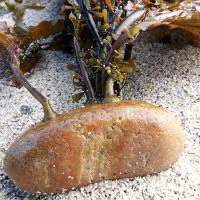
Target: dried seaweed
(114, 25)
(31, 45)
(104, 33)
(11, 43)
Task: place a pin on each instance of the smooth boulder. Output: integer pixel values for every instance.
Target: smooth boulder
(94, 143)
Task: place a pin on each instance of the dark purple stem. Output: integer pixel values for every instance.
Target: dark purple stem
(89, 89)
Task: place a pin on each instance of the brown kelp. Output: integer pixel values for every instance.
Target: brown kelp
(111, 28)
(114, 25)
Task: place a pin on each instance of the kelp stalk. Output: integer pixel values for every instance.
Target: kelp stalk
(89, 89)
(91, 25)
(128, 51)
(117, 44)
(48, 111)
(110, 96)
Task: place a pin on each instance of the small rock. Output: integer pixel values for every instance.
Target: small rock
(26, 110)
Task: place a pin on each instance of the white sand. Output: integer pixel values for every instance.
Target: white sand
(168, 77)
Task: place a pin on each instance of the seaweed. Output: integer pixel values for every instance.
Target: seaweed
(104, 59)
(31, 41)
(10, 42)
(114, 25)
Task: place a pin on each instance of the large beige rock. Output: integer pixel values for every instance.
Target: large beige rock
(94, 143)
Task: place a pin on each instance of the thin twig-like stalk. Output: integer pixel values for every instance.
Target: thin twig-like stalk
(117, 44)
(89, 89)
(91, 24)
(48, 111)
(128, 51)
